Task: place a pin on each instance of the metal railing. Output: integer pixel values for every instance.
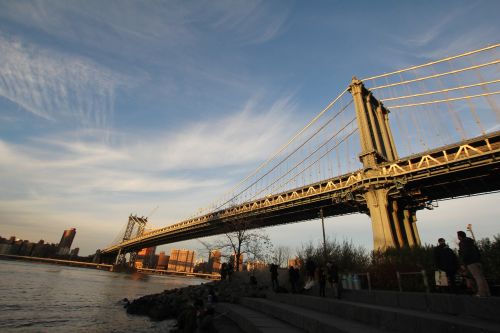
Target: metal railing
(423, 273)
(352, 280)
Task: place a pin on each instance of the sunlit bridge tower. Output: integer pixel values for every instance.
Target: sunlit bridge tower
(137, 223)
(392, 210)
(66, 241)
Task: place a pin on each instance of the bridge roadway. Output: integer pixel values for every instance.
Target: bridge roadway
(466, 168)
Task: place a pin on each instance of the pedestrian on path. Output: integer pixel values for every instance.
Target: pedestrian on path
(471, 257)
(310, 269)
(333, 277)
(293, 277)
(322, 281)
(446, 260)
(274, 276)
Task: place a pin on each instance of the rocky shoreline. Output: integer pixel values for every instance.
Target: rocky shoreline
(190, 304)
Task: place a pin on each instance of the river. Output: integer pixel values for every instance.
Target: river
(48, 298)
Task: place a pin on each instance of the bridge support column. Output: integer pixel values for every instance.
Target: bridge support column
(393, 224)
(382, 225)
(410, 222)
(120, 257)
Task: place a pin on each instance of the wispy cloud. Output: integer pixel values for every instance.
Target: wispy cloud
(247, 136)
(97, 23)
(477, 37)
(56, 86)
(151, 25)
(444, 34)
(72, 165)
(442, 24)
(253, 22)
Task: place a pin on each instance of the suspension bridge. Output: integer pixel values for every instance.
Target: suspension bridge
(441, 116)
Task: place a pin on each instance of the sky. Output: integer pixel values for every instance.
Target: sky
(112, 108)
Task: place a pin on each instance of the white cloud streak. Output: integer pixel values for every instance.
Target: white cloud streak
(175, 25)
(444, 37)
(63, 163)
(254, 22)
(239, 139)
(56, 86)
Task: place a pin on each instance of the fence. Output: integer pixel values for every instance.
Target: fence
(358, 281)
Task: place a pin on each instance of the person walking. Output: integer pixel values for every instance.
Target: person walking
(293, 278)
(333, 278)
(446, 260)
(471, 257)
(274, 276)
(223, 271)
(230, 271)
(322, 281)
(310, 269)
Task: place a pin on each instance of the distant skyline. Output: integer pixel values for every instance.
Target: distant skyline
(112, 108)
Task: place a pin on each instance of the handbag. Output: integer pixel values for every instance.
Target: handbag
(441, 278)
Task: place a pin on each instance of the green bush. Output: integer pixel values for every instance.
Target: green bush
(490, 256)
(347, 256)
(385, 264)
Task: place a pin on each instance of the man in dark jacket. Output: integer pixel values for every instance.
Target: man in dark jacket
(471, 257)
(274, 276)
(446, 261)
(333, 278)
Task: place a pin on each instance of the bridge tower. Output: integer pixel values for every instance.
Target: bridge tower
(133, 221)
(392, 212)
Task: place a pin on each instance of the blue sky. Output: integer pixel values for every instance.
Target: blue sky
(115, 107)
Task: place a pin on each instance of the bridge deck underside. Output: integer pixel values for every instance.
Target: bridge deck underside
(441, 179)
(451, 185)
(271, 217)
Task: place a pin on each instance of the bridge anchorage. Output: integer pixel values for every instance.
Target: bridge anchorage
(462, 159)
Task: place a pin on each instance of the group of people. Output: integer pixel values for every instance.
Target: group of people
(322, 274)
(446, 260)
(467, 263)
(328, 273)
(226, 271)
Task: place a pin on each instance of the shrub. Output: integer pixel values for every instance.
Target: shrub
(490, 256)
(347, 256)
(385, 264)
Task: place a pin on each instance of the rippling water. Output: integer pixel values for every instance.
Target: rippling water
(48, 298)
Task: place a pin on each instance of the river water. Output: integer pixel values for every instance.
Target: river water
(47, 298)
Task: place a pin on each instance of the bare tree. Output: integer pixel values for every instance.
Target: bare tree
(280, 255)
(260, 247)
(239, 240)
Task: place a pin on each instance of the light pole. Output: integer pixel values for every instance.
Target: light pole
(323, 226)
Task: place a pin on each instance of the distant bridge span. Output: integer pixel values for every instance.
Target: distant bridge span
(467, 168)
(388, 188)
